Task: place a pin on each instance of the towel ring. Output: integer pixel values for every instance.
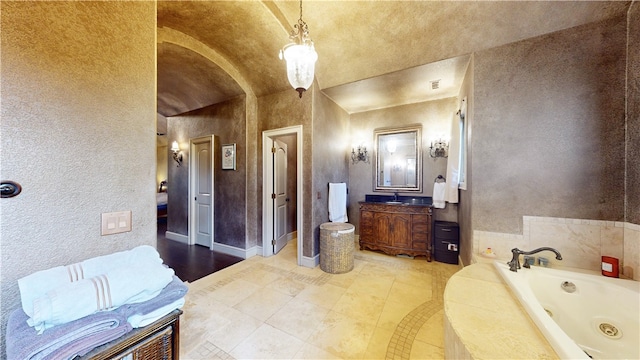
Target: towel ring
(441, 178)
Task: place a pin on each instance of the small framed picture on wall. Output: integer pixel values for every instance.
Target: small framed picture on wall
(228, 156)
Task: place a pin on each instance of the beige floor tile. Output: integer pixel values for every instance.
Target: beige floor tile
(377, 348)
(288, 286)
(234, 292)
(226, 327)
(344, 337)
(373, 285)
(263, 303)
(410, 294)
(363, 307)
(267, 342)
(265, 308)
(326, 295)
(414, 278)
(261, 277)
(421, 350)
(344, 280)
(298, 318)
(392, 313)
(312, 352)
(432, 332)
(377, 270)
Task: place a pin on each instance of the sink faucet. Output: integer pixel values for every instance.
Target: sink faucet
(395, 196)
(514, 264)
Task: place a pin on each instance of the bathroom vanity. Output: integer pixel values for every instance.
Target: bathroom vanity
(400, 227)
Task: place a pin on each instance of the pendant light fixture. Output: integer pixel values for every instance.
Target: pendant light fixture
(300, 56)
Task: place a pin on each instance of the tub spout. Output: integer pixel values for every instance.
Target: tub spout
(514, 264)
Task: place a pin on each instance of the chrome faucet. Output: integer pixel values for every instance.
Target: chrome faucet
(395, 196)
(514, 264)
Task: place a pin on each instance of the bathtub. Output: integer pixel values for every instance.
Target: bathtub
(581, 315)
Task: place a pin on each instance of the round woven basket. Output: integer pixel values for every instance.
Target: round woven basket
(336, 247)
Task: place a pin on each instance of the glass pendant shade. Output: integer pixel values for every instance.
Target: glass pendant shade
(301, 61)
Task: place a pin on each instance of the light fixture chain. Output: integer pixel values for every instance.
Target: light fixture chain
(300, 9)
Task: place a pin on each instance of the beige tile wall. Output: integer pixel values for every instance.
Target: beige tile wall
(581, 242)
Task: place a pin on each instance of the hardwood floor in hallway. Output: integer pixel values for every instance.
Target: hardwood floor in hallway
(191, 262)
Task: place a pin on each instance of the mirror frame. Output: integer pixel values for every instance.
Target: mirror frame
(377, 133)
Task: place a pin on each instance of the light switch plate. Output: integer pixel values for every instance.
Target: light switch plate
(116, 222)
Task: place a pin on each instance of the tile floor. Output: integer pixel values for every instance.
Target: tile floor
(269, 308)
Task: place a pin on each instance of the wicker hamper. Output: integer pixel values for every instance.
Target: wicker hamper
(336, 247)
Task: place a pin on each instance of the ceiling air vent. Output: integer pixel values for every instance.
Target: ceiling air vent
(435, 84)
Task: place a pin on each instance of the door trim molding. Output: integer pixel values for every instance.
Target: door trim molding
(192, 180)
(267, 211)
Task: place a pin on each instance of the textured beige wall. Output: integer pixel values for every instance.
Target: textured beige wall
(435, 117)
(78, 132)
(633, 116)
(549, 131)
(227, 122)
(330, 157)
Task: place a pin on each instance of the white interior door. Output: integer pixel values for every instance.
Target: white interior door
(280, 196)
(267, 191)
(201, 191)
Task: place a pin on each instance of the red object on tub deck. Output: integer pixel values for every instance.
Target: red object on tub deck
(610, 266)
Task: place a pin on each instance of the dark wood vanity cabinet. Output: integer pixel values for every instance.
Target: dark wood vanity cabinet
(396, 229)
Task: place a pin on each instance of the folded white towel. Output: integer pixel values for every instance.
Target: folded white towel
(439, 189)
(140, 320)
(39, 283)
(338, 202)
(72, 301)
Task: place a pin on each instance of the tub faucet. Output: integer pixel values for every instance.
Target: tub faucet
(395, 196)
(514, 264)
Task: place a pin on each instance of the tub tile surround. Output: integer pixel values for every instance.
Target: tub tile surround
(481, 325)
(581, 242)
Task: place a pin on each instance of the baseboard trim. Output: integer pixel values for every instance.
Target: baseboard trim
(176, 237)
(234, 251)
(310, 262)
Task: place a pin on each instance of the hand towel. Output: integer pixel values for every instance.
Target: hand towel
(338, 202)
(66, 341)
(439, 189)
(39, 283)
(120, 286)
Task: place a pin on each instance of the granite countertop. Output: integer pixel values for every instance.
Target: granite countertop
(482, 314)
(400, 200)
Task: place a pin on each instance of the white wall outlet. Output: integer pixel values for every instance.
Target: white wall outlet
(116, 222)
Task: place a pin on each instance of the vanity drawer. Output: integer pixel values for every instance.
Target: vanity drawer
(446, 230)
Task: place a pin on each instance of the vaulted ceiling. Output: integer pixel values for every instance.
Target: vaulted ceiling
(371, 54)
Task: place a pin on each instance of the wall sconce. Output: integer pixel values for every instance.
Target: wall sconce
(440, 148)
(177, 154)
(359, 154)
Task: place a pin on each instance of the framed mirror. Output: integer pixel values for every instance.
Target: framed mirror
(398, 153)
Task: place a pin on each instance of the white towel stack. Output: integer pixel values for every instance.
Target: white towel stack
(66, 293)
